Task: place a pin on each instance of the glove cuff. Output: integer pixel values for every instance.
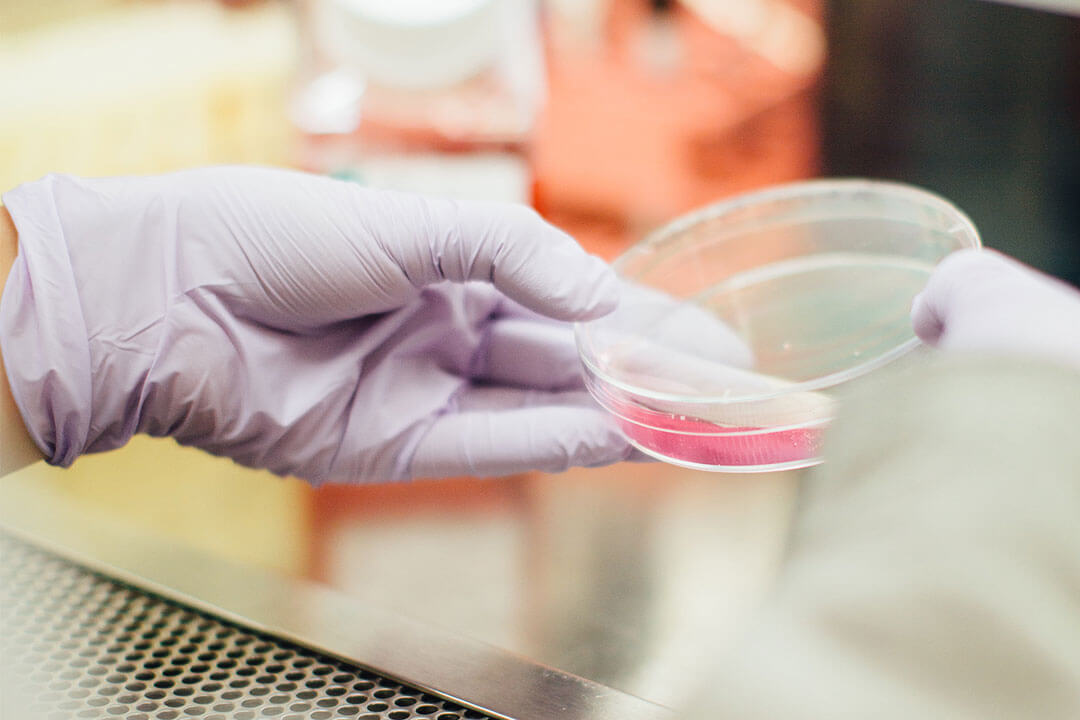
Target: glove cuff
(43, 331)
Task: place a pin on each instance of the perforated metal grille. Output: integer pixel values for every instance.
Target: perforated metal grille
(80, 645)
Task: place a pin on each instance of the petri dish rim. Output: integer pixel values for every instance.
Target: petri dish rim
(817, 424)
(797, 190)
(740, 469)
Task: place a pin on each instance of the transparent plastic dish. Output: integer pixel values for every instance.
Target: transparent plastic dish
(739, 321)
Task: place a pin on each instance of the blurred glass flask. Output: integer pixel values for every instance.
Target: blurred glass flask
(427, 95)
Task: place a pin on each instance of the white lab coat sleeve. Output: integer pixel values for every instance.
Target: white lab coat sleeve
(934, 565)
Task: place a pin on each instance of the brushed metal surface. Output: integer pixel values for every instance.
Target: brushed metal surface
(1070, 7)
(295, 613)
(591, 594)
(77, 644)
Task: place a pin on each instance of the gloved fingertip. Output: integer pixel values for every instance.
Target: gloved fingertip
(603, 297)
(563, 283)
(917, 305)
(927, 325)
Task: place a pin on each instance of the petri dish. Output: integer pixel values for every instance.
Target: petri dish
(740, 321)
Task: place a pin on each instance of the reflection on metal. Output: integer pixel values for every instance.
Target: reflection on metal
(634, 576)
(203, 596)
(1071, 7)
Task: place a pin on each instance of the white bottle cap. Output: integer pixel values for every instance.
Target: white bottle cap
(414, 43)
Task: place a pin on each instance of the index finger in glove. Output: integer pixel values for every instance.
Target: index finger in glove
(289, 245)
(508, 245)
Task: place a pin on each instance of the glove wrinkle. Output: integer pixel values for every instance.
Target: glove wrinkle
(49, 373)
(293, 322)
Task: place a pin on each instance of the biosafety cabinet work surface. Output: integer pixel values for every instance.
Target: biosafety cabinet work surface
(599, 590)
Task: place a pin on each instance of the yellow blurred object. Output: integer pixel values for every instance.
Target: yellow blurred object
(181, 494)
(18, 16)
(145, 87)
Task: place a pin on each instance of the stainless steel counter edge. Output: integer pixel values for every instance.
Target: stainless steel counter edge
(471, 673)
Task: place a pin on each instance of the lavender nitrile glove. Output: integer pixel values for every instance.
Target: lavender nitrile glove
(983, 301)
(301, 324)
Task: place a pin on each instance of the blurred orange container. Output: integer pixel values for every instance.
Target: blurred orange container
(657, 108)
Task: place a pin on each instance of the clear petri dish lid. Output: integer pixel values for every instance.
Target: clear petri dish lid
(748, 314)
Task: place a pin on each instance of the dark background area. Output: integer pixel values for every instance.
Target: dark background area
(977, 101)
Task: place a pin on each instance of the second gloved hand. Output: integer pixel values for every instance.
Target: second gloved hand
(985, 302)
(301, 324)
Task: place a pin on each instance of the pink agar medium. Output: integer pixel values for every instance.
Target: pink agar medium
(704, 443)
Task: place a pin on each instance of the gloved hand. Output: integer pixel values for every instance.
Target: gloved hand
(301, 324)
(983, 301)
